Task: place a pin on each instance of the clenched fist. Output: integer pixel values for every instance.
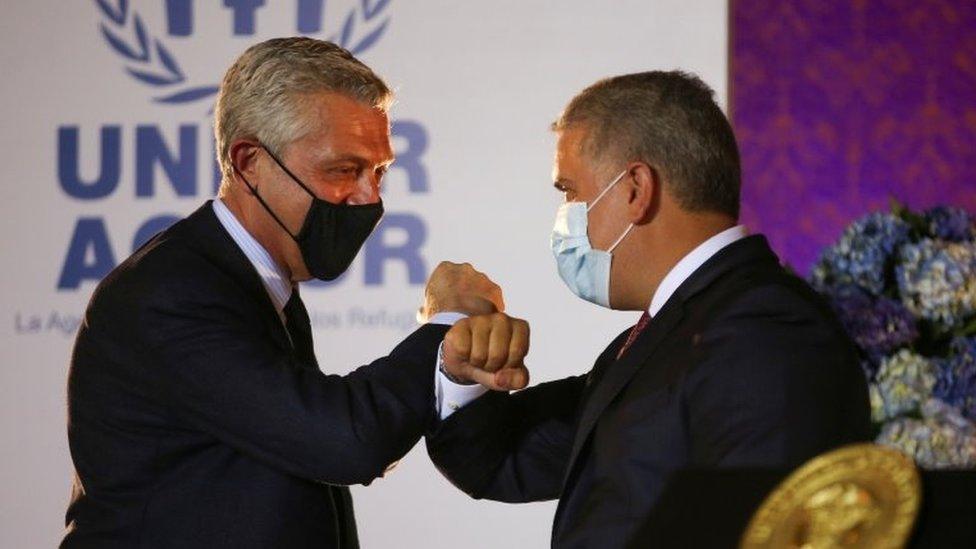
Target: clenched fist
(459, 288)
(490, 350)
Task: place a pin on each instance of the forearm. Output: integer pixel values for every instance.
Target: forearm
(511, 448)
(328, 428)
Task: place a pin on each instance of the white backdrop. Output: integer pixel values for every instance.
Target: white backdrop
(478, 81)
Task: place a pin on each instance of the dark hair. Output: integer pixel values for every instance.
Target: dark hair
(670, 120)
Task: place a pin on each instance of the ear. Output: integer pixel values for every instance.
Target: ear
(243, 156)
(644, 187)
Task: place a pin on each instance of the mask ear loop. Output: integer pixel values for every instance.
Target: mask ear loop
(606, 190)
(619, 240)
(287, 171)
(267, 208)
(600, 196)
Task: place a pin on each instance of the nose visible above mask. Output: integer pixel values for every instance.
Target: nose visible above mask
(585, 270)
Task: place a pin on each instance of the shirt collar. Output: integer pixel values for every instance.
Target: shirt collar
(278, 286)
(690, 263)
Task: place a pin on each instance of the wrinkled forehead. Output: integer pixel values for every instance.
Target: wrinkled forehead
(344, 125)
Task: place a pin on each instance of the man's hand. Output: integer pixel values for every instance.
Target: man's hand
(488, 349)
(459, 288)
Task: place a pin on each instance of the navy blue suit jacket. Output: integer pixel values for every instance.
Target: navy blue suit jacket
(745, 366)
(192, 423)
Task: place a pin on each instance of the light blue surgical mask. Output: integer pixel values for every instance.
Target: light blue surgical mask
(584, 269)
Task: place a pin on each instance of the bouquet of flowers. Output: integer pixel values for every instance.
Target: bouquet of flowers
(904, 286)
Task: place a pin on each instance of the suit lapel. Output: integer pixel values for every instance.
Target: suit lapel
(618, 373)
(206, 234)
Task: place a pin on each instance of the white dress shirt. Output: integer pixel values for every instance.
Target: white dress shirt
(278, 285)
(690, 263)
(452, 396)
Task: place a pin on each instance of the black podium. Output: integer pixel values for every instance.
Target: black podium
(711, 508)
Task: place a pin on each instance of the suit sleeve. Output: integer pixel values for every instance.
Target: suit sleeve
(213, 365)
(510, 447)
(776, 384)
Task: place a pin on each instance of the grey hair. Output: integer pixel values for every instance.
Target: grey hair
(668, 119)
(261, 95)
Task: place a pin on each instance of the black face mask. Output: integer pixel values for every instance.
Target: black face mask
(332, 234)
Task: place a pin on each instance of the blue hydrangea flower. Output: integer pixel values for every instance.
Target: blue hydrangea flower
(878, 325)
(949, 223)
(956, 377)
(941, 439)
(862, 255)
(903, 383)
(937, 280)
(886, 286)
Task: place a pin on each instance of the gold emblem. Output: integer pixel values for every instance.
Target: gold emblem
(862, 495)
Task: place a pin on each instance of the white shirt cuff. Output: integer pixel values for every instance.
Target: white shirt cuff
(446, 318)
(451, 396)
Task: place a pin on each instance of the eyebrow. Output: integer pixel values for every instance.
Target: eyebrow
(356, 159)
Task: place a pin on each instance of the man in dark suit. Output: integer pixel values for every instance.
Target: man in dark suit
(734, 362)
(198, 416)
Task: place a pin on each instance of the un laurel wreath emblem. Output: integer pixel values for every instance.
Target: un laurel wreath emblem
(147, 59)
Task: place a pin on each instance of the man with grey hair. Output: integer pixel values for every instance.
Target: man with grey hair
(198, 416)
(733, 363)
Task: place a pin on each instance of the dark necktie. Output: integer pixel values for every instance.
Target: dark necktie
(299, 328)
(634, 332)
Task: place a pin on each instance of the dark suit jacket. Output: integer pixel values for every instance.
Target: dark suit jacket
(744, 366)
(192, 423)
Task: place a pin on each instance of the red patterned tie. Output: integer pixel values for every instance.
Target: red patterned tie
(634, 332)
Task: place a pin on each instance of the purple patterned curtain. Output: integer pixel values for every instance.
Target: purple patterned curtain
(840, 105)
